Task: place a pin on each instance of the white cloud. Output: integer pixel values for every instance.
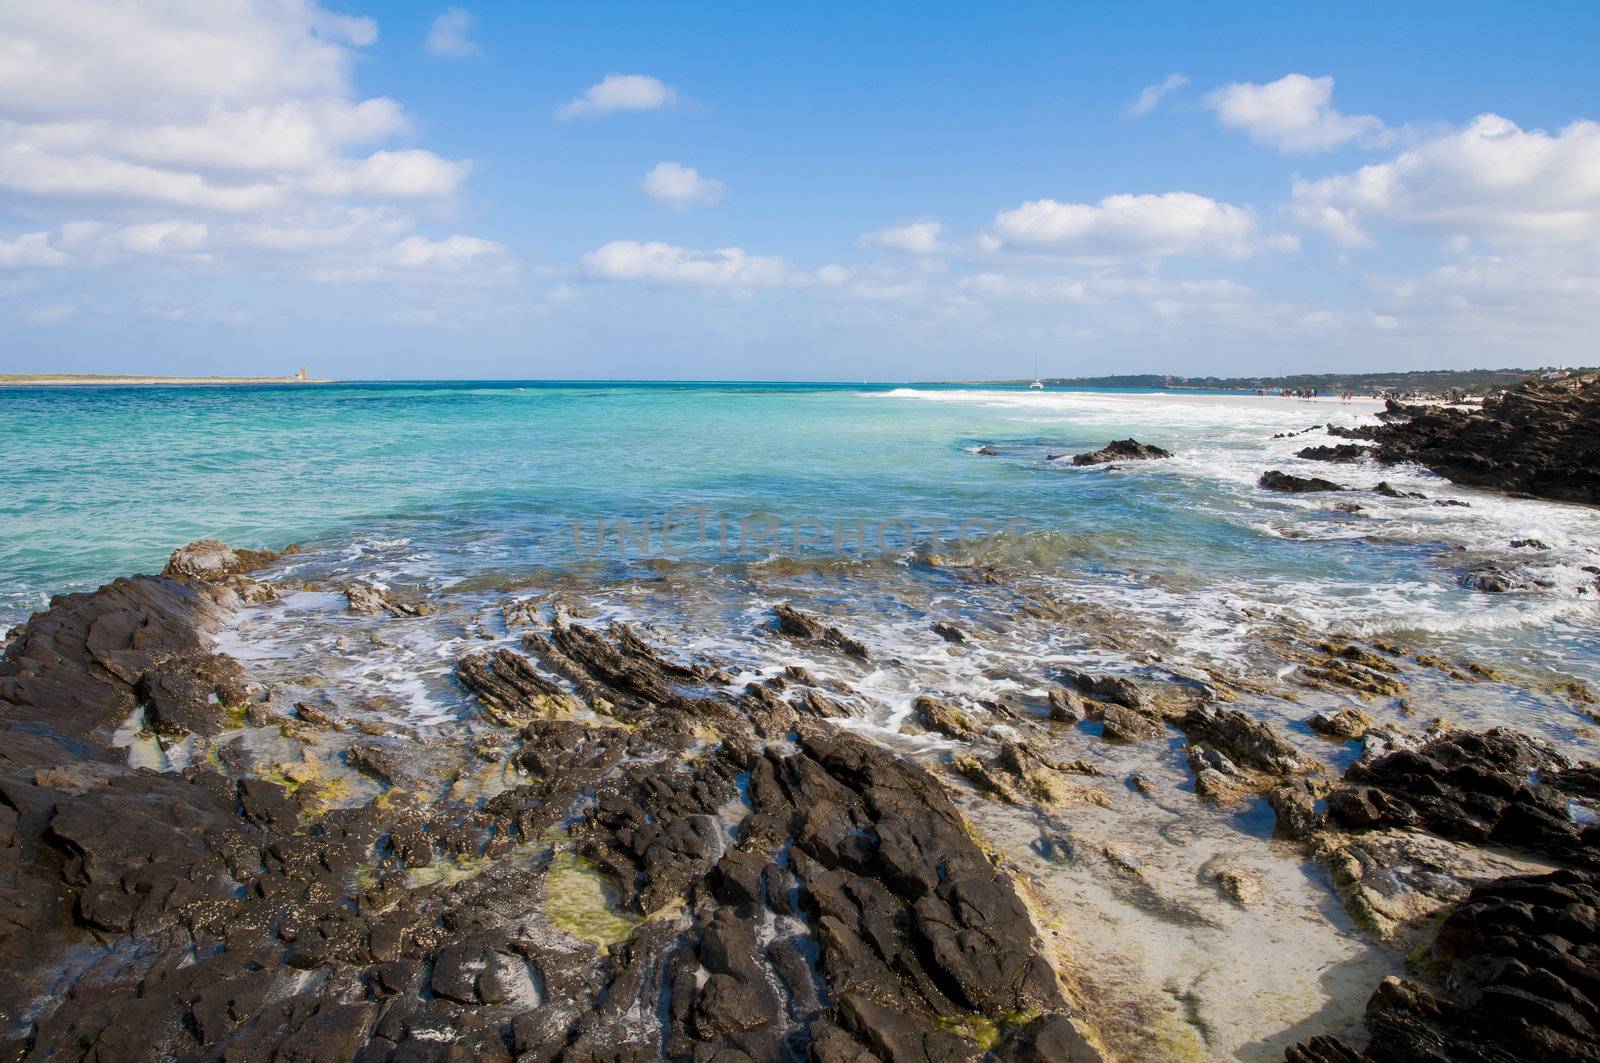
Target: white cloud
(411, 174)
(620, 92)
(682, 187)
(450, 35)
(1489, 181)
(162, 238)
(1293, 114)
(1152, 94)
(452, 253)
(659, 263)
(917, 237)
(235, 122)
(30, 249)
(1130, 226)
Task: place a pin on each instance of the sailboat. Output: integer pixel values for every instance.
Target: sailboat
(1037, 383)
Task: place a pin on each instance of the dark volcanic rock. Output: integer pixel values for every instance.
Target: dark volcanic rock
(1388, 490)
(1541, 439)
(1282, 481)
(1248, 743)
(1478, 788)
(1121, 450)
(1344, 453)
(199, 915)
(1521, 958)
(1117, 689)
(808, 628)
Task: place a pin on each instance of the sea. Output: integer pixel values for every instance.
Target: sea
(690, 509)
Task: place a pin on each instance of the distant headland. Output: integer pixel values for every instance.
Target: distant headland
(122, 380)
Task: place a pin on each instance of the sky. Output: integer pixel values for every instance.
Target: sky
(826, 191)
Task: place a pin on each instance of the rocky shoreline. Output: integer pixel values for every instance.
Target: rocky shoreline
(1540, 440)
(631, 854)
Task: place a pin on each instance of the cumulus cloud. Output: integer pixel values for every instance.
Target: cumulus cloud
(682, 187)
(411, 174)
(1152, 94)
(450, 35)
(619, 92)
(1293, 114)
(1131, 226)
(660, 263)
(29, 249)
(453, 253)
(235, 123)
(1489, 181)
(917, 237)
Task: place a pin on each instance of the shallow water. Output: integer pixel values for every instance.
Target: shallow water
(1180, 569)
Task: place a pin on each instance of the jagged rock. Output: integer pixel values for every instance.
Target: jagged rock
(1541, 438)
(370, 600)
(1066, 706)
(1344, 453)
(1122, 724)
(512, 690)
(216, 914)
(807, 628)
(939, 715)
(1118, 690)
(213, 561)
(1528, 544)
(1121, 450)
(1520, 958)
(1295, 805)
(1494, 578)
(316, 717)
(948, 631)
(1216, 778)
(1347, 722)
(987, 451)
(1469, 787)
(1282, 481)
(1387, 490)
(1246, 742)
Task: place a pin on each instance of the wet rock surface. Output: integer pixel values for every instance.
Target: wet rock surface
(1540, 439)
(678, 869)
(1342, 453)
(1512, 968)
(1121, 450)
(1275, 480)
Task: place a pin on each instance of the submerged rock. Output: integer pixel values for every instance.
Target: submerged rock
(1121, 450)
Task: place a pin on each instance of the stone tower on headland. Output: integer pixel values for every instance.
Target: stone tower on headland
(300, 376)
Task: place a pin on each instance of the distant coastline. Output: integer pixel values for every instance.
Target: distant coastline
(54, 380)
(1428, 381)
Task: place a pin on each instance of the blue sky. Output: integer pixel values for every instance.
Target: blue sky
(828, 191)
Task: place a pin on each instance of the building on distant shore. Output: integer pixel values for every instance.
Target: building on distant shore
(300, 376)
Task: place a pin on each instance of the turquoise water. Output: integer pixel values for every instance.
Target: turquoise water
(478, 479)
(1174, 572)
